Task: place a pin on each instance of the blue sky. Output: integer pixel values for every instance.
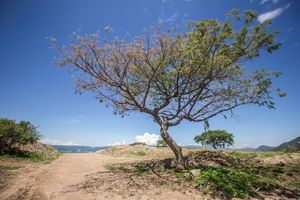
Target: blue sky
(33, 89)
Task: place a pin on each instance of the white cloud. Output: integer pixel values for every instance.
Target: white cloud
(271, 14)
(123, 142)
(265, 1)
(171, 19)
(58, 142)
(147, 138)
(108, 29)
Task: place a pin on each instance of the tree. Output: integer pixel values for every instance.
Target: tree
(161, 143)
(13, 133)
(215, 138)
(171, 76)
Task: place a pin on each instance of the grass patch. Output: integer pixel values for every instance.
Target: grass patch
(115, 167)
(4, 168)
(36, 156)
(141, 170)
(138, 153)
(235, 182)
(267, 170)
(241, 155)
(294, 169)
(138, 169)
(43, 156)
(295, 184)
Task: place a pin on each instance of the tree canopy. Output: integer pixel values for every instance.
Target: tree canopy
(13, 133)
(175, 76)
(215, 138)
(161, 143)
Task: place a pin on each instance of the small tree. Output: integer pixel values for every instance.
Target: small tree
(215, 138)
(161, 143)
(13, 133)
(171, 77)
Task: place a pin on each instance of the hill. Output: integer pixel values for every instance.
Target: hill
(264, 148)
(77, 149)
(293, 145)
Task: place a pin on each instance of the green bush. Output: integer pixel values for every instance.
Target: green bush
(13, 133)
(236, 182)
(161, 143)
(137, 143)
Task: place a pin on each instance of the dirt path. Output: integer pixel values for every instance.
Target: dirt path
(58, 180)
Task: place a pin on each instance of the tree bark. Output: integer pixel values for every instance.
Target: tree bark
(177, 150)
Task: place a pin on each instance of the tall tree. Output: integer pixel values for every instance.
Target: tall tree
(172, 76)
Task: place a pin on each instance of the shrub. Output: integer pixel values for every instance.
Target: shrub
(13, 134)
(236, 182)
(161, 143)
(137, 143)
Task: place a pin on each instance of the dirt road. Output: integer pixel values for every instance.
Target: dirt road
(65, 178)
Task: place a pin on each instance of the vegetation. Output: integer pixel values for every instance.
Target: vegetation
(15, 138)
(229, 174)
(291, 146)
(42, 156)
(172, 77)
(8, 168)
(46, 155)
(13, 134)
(138, 153)
(215, 138)
(137, 143)
(161, 143)
(295, 184)
(115, 167)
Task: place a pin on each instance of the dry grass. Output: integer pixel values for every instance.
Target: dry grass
(222, 174)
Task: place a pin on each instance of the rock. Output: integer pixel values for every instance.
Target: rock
(195, 172)
(280, 164)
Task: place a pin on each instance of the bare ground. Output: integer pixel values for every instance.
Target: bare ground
(84, 176)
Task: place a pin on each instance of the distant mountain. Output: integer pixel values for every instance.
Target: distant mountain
(192, 146)
(226, 148)
(264, 148)
(293, 145)
(246, 149)
(78, 149)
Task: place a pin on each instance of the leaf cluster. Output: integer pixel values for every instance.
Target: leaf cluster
(13, 133)
(174, 76)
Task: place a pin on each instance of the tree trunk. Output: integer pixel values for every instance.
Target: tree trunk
(177, 150)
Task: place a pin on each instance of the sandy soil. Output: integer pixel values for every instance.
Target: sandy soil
(77, 176)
